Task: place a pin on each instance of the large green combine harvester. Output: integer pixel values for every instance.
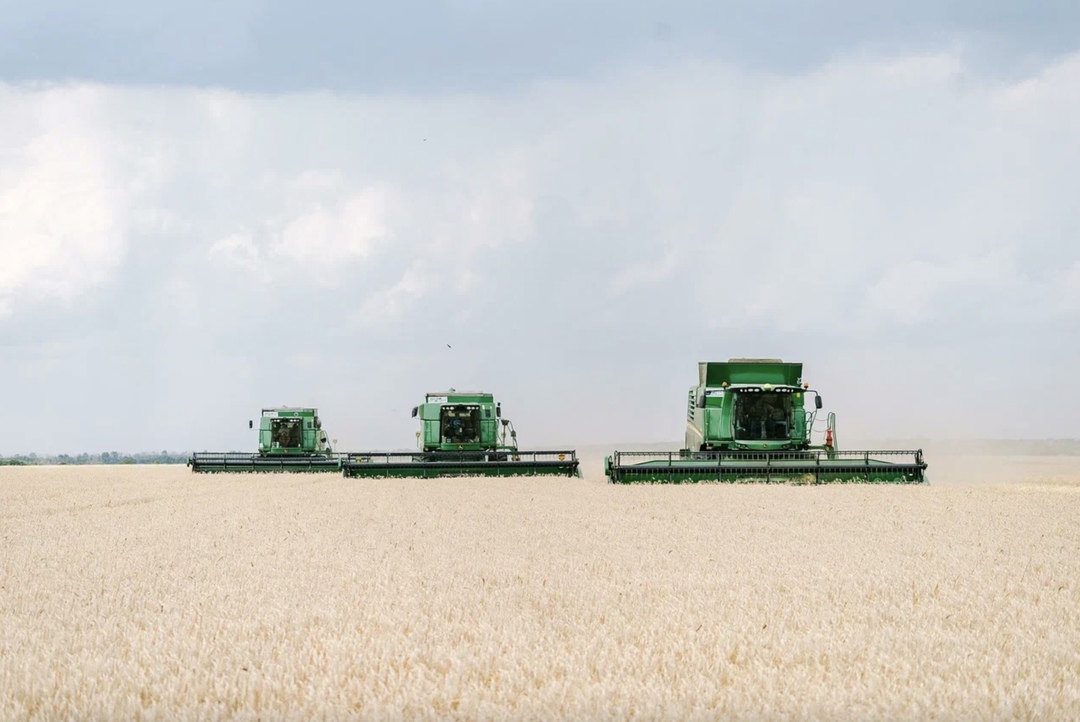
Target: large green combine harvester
(748, 421)
(462, 433)
(290, 439)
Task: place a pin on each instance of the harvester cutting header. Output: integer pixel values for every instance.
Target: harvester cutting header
(747, 420)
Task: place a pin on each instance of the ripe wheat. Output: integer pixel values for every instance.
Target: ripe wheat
(152, 593)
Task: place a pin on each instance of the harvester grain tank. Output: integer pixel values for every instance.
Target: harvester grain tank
(290, 439)
(747, 420)
(462, 433)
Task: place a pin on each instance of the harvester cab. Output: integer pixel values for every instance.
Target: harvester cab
(290, 439)
(291, 431)
(750, 404)
(454, 421)
(463, 433)
(747, 420)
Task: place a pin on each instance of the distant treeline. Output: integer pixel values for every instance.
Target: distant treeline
(107, 457)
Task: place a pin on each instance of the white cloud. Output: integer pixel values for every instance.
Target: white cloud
(319, 228)
(63, 210)
(893, 192)
(919, 290)
(455, 224)
(647, 273)
(843, 185)
(317, 181)
(1068, 300)
(390, 304)
(918, 70)
(325, 237)
(873, 198)
(491, 202)
(483, 206)
(237, 249)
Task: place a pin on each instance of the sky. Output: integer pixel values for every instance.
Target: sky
(211, 208)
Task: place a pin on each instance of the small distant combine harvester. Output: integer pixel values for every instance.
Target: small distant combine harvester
(290, 439)
(462, 433)
(747, 421)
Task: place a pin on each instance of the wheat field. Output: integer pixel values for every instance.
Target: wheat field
(143, 593)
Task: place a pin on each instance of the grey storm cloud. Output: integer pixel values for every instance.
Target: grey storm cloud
(467, 45)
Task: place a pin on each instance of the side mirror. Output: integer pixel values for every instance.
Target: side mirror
(414, 411)
(498, 410)
(817, 401)
(251, 424)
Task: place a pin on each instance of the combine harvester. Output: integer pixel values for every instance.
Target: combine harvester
(462, 434)
(747, 422)
(290, 439)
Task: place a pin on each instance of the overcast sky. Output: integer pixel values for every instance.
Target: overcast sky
(211, 207)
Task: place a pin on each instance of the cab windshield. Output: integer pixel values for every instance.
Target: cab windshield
(460, 424)
(763, 416)
(287, 433)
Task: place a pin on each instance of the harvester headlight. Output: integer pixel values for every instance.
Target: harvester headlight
(723, 384)
(806, 384)
(767, 387)
(562, 457)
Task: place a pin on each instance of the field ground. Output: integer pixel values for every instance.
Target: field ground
(153, 593)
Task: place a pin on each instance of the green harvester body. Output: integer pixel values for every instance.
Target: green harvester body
(747, 420)
(462, 433)
(460, 421)
(290, 439)
(749, 405)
